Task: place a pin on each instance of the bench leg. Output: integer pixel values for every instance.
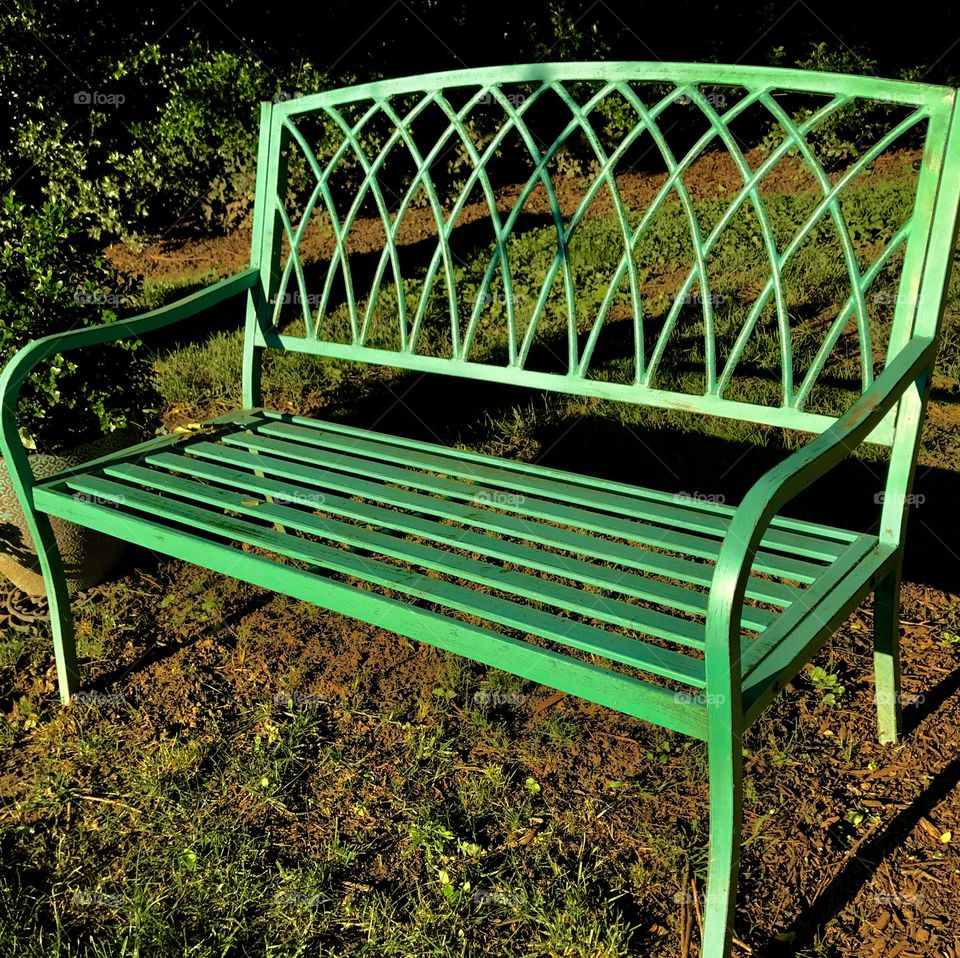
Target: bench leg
(726, 794)
(58, 601)
(886, 655)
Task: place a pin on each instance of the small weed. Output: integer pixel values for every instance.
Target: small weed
(827, 684)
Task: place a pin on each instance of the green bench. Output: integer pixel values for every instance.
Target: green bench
(684, 611)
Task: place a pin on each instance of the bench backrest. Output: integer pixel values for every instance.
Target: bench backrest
(422, 155)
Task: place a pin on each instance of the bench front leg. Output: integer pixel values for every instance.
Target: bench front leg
(15, 459)
(58, 602)
(726, 815)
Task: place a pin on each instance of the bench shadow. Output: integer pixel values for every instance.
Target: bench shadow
(861, 867)
(414, 257)
(158, 651)
(674, 460)
(932, 700)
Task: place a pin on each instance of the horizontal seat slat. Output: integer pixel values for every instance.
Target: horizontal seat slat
(618, 580)
(611, 610)
(632, 530)
(665, 663)
(672, 515)
(511, 465)
(683, 570)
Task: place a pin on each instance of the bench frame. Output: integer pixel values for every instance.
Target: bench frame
(890, 410)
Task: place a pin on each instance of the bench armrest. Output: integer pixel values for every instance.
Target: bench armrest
(784, 481)
(20, 366)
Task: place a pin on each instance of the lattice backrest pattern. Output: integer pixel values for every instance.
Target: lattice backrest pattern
(629, 230)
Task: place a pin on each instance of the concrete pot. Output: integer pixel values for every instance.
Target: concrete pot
(88, 556)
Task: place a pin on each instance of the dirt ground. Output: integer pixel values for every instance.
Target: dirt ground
(850, 847)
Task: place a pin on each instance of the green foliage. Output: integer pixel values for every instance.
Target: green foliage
(51, 280)
(174, 141)
(847, 132)
(153, 135)
(827, 684)
(191, 159)
(68, 160)
(202, 143)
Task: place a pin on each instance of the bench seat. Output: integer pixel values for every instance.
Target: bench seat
(591, 586)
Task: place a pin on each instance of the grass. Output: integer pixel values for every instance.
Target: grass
(166, 853)
(368, 825)
(206, 375)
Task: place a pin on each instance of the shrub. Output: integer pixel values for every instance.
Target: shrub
(843, 136)
(201, 147)
(52, 280)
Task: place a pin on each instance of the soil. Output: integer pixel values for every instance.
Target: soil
(812, 882)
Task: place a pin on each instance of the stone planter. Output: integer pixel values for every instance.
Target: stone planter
(88, 556)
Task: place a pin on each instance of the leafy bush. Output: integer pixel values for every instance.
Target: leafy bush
(201, 147)
(188, 156)
(51, 280)
(844, 135)
(169, 137)
(170, 134)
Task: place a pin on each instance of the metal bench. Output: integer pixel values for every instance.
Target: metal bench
(688, 613)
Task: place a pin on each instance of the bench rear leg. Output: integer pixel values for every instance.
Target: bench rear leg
(726, 796)
(886, 655)
(58, 601)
